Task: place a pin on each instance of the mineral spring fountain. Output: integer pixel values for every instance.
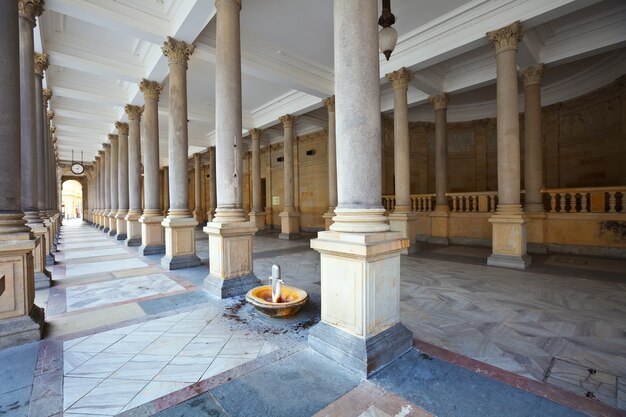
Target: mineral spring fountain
(277, 299)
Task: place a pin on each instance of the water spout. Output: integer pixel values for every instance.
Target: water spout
(276, 282)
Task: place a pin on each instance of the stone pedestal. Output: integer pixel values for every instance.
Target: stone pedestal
(360, 324)
(42, 275)
(180, 243)
(133, 228)
(257, 218)
(105, 221)
(509, 241)
(152, 235)
(290, 225)
(120, 225)
(230, 259)
(112, 223)
(439, 227)
(21, 321)
(535, 232)
(406, 224)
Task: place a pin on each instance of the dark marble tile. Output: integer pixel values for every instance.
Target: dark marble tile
(201, 406)
(17, 366)
(174, 302)
(15, 403)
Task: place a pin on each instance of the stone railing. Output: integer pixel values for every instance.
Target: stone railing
(585, 200)
(476, 202)
(419, 202)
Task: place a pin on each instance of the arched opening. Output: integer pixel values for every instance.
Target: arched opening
(72, 200)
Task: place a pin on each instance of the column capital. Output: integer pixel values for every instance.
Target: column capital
(97, 158)
(53, 129)
(197, 156)
(150, 89)
(400, 78)
(532, 75)
(255, 134)
(177, 52)
(101, 153)
(50, 115)
(440, 101)
(506, 37)
(330, 104)
(122, 128)
(112, 138)
(287, 120)
(133, 112)
(30, 9)
(41, 63)
(46, 94)
(106, 146)
(219, 3)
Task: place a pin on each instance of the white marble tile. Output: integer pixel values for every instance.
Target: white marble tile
(108, 292)
(158, 325)
(141, 367)
(123, 330)
(216, 328)
(134, 342)
(188, 326)
(73, 359)
(96, 343)
(184, 369)
(241, 348)
(101, 365)
(94, 253)
(75, 388)
(154, 390)
(88, 244)
(167, 345)
(203, 346)
(268, 347)
(69, 343)
(101, 267)
(220, 365)
(108, 398)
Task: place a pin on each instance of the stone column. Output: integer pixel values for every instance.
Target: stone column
(96, 185)
(360, 258)
(101, 212)
(230, 232)
(28, 12)
(198, 213)
(21, 321)
(533, 158)
(257, 215)
(113, 180)
(133, 228)
(332, 163)
(212, 187)
(122, 180)
(166, 191)
(289, 217)
(180, 242)
(509, 224)
(402, 219)
(439, 217)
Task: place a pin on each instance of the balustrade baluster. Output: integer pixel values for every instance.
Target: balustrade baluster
(552, 202)
(612, 201)
(583, 202)
(454, 204)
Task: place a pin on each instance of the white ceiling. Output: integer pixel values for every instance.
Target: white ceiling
(100, 50)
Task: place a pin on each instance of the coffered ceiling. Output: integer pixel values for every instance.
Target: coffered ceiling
(99, 50)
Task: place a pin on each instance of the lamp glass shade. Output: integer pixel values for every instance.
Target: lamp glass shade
(387, 38)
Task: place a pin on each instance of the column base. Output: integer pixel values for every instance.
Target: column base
(535, 232)
(152, 235)
(198, 215)
(439, 226)
(361, 355)
(230, 259)
(133, 229)
(180, 243)
(328, 218)
(20, 330)
(50, 261)
(41, 280)
(406, 223)
(257, 218)
(509, 241)
(120, 226)
(360, 325)
(289, 225)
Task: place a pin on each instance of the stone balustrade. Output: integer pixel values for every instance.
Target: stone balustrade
(476, 202)
(420, 203)
(585, 200)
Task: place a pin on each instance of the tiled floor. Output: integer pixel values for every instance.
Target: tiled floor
(128, 332)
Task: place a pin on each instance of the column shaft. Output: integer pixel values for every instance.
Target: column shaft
(332, 163)
(114, 177)
(133, 228)
(198, 214)
(533, 149)
(289, 217)
(122, 181)
(257, 215)
(212, 184)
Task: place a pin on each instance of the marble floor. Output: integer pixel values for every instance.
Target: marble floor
(124, 333)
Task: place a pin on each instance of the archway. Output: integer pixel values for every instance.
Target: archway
(72, 200)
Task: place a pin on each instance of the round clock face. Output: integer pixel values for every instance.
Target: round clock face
(77, 169)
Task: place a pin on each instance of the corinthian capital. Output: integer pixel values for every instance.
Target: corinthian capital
(46, 93)
(330, 104)
(507, 37)
(177, 52)
(41, 63)
(400, 78)
(439, 102)
(30, 9)
(150, 89)
(532, 75)
(287, 120)
(133, 112)
(255, 134)
(122, 128)
(112, 138)
(50, 115)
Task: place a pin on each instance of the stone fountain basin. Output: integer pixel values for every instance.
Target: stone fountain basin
(292, 300)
